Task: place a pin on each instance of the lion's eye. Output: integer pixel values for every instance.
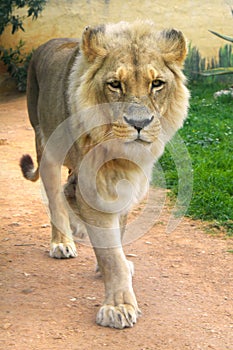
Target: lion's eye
(114, 84)
(157, 84)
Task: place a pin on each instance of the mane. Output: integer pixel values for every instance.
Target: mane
(137, 40)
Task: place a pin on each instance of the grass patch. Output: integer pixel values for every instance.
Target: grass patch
(208, 137)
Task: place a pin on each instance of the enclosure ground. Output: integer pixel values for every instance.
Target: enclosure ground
(183, 280)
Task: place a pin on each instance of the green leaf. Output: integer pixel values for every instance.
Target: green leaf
(225, 37)
(217, 71)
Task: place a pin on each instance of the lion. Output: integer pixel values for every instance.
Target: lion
(104, 107)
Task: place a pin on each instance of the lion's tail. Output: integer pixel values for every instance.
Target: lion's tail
(28, 169)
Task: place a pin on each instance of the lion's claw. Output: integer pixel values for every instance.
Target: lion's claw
(63, 250)
(120, 316)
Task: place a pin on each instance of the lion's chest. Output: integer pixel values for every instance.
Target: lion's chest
(121, 182)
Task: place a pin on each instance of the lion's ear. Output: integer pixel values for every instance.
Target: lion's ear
(92, 42)
(173, 46)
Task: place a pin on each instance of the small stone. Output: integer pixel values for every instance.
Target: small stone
(73, 299)
(3, 142)
(6, 326)
(27, 291)
(16, 224)
(45, 225)
(131, 255)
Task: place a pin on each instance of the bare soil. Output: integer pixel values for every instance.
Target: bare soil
(183, 280)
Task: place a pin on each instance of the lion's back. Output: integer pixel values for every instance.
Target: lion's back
(47, 82)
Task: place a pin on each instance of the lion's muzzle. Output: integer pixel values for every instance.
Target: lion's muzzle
(139, 124)
(143, 124)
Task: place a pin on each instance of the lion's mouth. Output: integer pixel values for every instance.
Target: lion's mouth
(139, 140)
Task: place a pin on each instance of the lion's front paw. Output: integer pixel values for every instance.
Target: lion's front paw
(63, 250)
(120, 316)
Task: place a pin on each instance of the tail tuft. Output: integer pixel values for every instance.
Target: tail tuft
(28, 169)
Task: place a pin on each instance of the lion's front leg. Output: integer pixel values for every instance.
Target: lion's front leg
(62, 244)
(120, 307)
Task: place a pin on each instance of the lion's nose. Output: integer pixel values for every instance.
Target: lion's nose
(138, 124)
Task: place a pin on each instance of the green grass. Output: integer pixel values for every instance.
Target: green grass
(208, 137)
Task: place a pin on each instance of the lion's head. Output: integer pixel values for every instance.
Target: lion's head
(136, 72)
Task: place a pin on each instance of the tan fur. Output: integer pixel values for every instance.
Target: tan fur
(122, 90)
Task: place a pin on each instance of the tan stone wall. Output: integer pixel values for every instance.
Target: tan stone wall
(67, 18)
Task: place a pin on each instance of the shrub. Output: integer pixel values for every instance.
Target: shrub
(17, 64)
(7, 16)
(15, 59)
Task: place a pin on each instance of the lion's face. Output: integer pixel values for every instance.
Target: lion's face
(139, 89)
(137, 73)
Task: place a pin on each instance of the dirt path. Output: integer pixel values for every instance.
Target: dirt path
(183, 281)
